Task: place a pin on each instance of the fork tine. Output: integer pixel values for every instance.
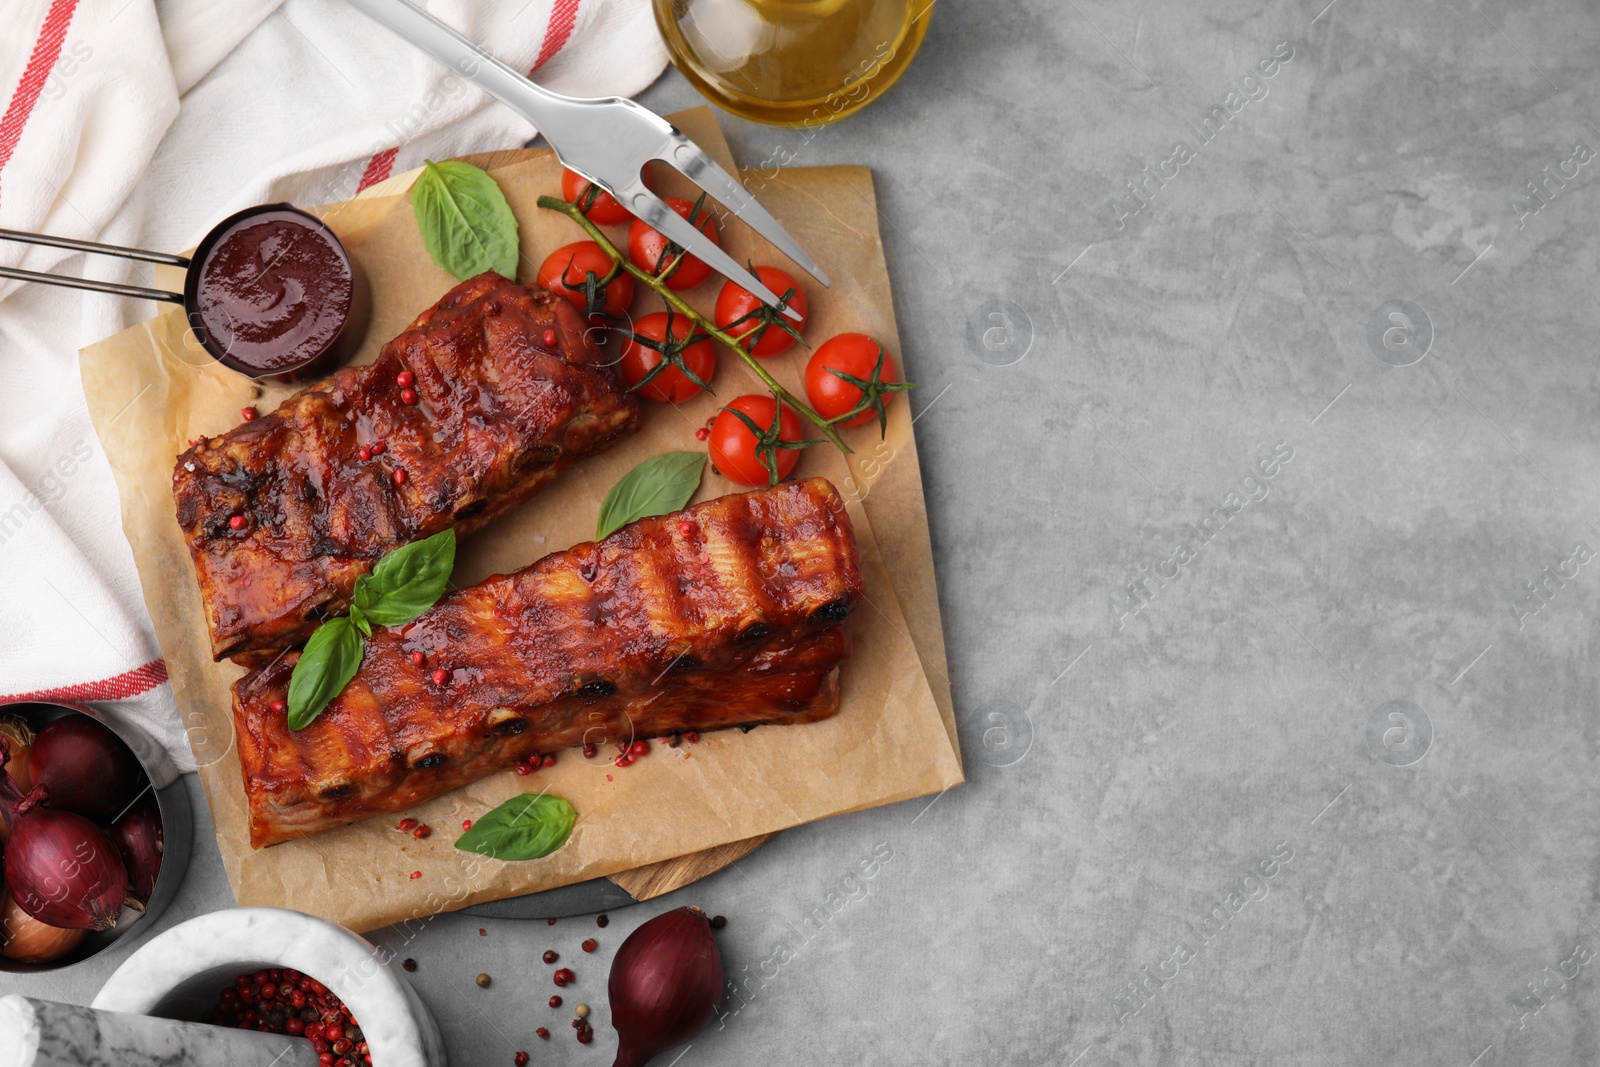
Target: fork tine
(693, 163)
(647, 206)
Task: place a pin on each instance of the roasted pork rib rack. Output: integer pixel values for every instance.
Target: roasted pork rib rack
(729, 613)
(282, 514)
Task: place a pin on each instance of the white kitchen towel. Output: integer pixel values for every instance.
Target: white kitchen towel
(144, 122)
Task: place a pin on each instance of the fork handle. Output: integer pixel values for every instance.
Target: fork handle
(555, 115)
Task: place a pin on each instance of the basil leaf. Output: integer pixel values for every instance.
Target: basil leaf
(465, 220)
(658, 485)
(331, 658)
(525, 827)
(406, 582)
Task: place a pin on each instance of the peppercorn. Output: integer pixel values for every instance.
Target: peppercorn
(440, 676)
(421, 832)
(399, 476)
(564, 976)
(409, 964)
(238, 522)
(581, 1011)
(555, 1001)
(404, 378)
(718, 922)
(549, 922)
(408, 396)
(590, 944)
(249, 414)
(543, 1032)
(483, 981)
(407, 825)
(550, 955)
(603, 921)
(417, 658)
(520, 1059)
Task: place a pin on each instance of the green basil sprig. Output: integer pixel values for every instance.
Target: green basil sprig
(525, 827)
(658, 485)
(465, 220)
(404, 583)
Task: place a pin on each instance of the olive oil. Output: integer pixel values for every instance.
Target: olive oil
(793, 62)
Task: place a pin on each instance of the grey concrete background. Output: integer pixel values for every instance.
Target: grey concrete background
(1419, 889)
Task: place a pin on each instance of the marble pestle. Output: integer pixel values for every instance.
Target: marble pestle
(43, 1033)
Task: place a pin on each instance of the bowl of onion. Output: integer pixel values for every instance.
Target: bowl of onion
(95, 832)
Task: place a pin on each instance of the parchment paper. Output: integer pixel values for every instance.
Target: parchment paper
(151, 388)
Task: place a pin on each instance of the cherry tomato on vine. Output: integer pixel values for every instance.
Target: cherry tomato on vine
(738, 311)
(737, 452)
(848, 356)
(652, 253)
(668, 385)
(565, 272)
(602, 206)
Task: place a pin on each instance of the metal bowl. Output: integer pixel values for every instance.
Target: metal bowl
(177, 832)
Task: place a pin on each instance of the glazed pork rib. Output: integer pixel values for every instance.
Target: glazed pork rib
(283, 513)
(729, 613)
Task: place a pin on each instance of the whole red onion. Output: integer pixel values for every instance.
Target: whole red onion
(139, 840)
(665, 983)
(60, 868)
(85, 767)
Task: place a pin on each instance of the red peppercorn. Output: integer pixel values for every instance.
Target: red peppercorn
(404, 378)
(400, 476)
(589, 751)
(639, 748)
(686, 528)
(441, 676)
(421, 832)
(623, 761)
(520, 1059)
(603, 921)
(701, 434)
(408, 396)
(549, 922)
(543, 1032)
(549, 760)
(249, 414)
(692, 737)
(590, 944)
(378, 447)
(550, 955)
(466, 824)
(277, 707)
(549, 338)
(585, 1035)
(417, 658)
(406, 825)
(522, 768)
(555, 1002)
(564, 976)
(294, 1027)
(238, 522)
(415, 875)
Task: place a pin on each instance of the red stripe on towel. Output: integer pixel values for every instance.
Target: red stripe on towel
(46, 50)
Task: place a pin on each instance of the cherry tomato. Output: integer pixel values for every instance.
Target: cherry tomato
(733, 446)
(648, 249)
(605, 209)
(564, 272)
(670, 385)
(854, 354)
(738, 311)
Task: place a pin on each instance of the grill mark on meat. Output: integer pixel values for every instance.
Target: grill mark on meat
(742, 646)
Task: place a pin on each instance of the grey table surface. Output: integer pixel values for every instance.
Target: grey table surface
(1262, 476)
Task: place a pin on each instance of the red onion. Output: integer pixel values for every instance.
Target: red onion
(60, 868)
(665, 983)
(85, 767)
(139, 840)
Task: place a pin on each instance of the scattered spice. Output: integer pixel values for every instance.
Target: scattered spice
(718, 922)
(249, 414)
(408, 396)
(520, 1059)
(417, 658)
(555, 1002)
(415, 875)
(406, 825)
(549, 922)
(549, 338)
(543, 1032)
(590, 945)
(421, 832)
(238, 522)
(581, 1011)
(639, 748)
(550, 955)
(441, 676)
(692, 737)
(285, 1001)
(589, 751)
(399, 476)
(278, 707)
(550, 760)
(701, 434)
(409, 964)
(603, 921)
(564, 977)
(404, 378)
(482, 932)
(585, 1034)
(483, 981)
(377, 447)
(466, 824)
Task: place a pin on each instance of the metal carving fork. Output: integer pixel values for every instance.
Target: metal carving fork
(607, 141)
